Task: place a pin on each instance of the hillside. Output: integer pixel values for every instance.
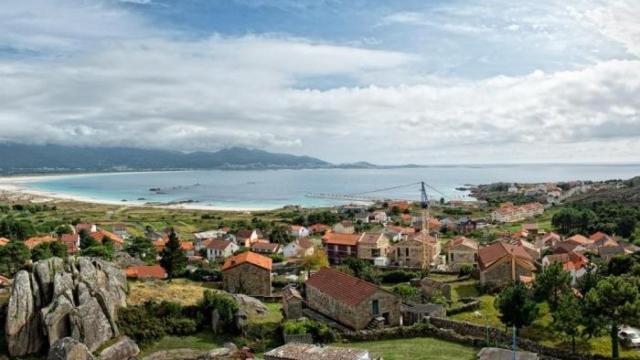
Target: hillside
(21, 158)
(621, 191)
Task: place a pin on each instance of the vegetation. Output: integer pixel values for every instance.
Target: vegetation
(515, 305)
(50, 249)
(416, 349)
(13, 256)
(142, 248)
(320, 331)
(173, 259)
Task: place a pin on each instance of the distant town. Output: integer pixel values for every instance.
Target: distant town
(543, 271)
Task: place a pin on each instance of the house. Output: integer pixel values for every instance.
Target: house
(609, 252)
(397, 233)
(88, 228)
(531, 229)
(121, 231)
(501, 262)
(247, 273)
(4, 241)
(37, 240)
(580, 240)
(549, 240)
(379, 217)
(299, 351)
(464, 225)
(72, 242)
(101, 234)
(509, 212)
(351, 301)
(462, 251)
(217, 248)
(362, 218)
(566, 246)
(298, 231)
(318, 229)
(340, 246)
(529, 247)
(291, 303)
(418, 251)
(400, 205)
(247, 237)
(344, 227)
(352, 209)
(146, 272)
(372, 245)
(299, 248)
(266, 248)
(572, 262)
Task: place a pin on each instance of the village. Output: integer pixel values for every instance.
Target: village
(353, 281)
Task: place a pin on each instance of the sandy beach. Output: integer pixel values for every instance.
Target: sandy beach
(13, 188)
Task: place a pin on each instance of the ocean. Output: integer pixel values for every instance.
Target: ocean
(268, 189)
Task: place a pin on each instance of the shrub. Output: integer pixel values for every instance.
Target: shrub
(465, 270)
(320, 331)
(225, 304)
(151, 321)
(277, 258)
(397, 276)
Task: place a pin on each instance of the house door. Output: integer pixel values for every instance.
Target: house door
(375, 307)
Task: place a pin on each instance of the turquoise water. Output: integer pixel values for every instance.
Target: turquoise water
(275, 188)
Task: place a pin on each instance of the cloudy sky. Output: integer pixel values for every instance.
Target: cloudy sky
(492, 81)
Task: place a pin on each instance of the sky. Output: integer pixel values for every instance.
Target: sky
(390, 82)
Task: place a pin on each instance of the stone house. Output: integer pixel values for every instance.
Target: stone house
(247, 273)
(372, 245)
(501, 262)
(351, 301)
(340, 246)
(420, 250)
(266, 248)
(291, 303)
(462, 251)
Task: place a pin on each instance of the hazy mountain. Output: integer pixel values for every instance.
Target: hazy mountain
(21, 158)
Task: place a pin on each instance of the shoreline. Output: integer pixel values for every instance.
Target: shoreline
(12, 188)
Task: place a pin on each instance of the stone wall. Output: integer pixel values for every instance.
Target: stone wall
(247, 279)
(500, 274)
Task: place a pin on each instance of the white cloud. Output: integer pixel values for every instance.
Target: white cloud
(147, 89)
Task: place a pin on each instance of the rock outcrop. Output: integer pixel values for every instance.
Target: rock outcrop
(77, 298)
(123, 349)
(69, 349)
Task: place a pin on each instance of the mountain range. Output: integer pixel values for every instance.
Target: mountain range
(25, 158)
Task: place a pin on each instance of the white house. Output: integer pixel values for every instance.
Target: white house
(299, 247)
(217, 248)
(298, 231)
(379, 217)
(344, 227)
(571, 261)
(210, 234)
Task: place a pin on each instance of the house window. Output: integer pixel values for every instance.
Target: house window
(375, 252)
(406, 251)
(398, 252)
(375, 307)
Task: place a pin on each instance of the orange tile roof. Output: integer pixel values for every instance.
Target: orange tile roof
(247, 257)
(598, 236)
(463, 241)
(34, 241)
(186, 246)
(570, 260)
(3, 241)
(341, 239)
(496, 251)
(343, 287)
(582, 240)
(146, 272)
(71, 241)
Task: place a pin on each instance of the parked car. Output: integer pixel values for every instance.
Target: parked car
(629, 337)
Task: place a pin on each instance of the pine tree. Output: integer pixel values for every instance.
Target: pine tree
(173, 259)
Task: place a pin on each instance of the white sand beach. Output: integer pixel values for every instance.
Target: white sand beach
(13, 188)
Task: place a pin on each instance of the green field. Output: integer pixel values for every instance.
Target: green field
(202, 341)
(416, 349)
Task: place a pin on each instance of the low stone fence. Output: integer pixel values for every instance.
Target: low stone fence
(502, 337)
(470, 304)
(300, 339)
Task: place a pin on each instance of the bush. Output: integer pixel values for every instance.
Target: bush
(151, 321)
(465, 270)
(261, 337)
(397, 276)
(225, 304)
(320, 331)
(277, 258)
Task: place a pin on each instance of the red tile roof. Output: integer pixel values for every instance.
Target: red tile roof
(247, 257)
(582, 240)
(216, 244)
(146, 272)
(3, 241)
(186, 246)
(71, 241)
(370, 238)
(34, 241)
(343, 287)
(464, 242)
(341, 239)
(101, 234)
(496, 251)
(570, 260)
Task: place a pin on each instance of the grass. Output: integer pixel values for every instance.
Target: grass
(202, 341)
(273, 316)
(181, 291)
(416, 349)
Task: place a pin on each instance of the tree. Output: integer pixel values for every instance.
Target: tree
(142, 248)
(86, 240)
(626, 225)
(516, 306)
(41, 251)
(614, 301)
(58, 249)
(63, 229)
(568, 317)
(279, 234)
(13, 256)
(408, 293)
(173, 259)
(551, 283)
(356, 265)
(315, 261)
